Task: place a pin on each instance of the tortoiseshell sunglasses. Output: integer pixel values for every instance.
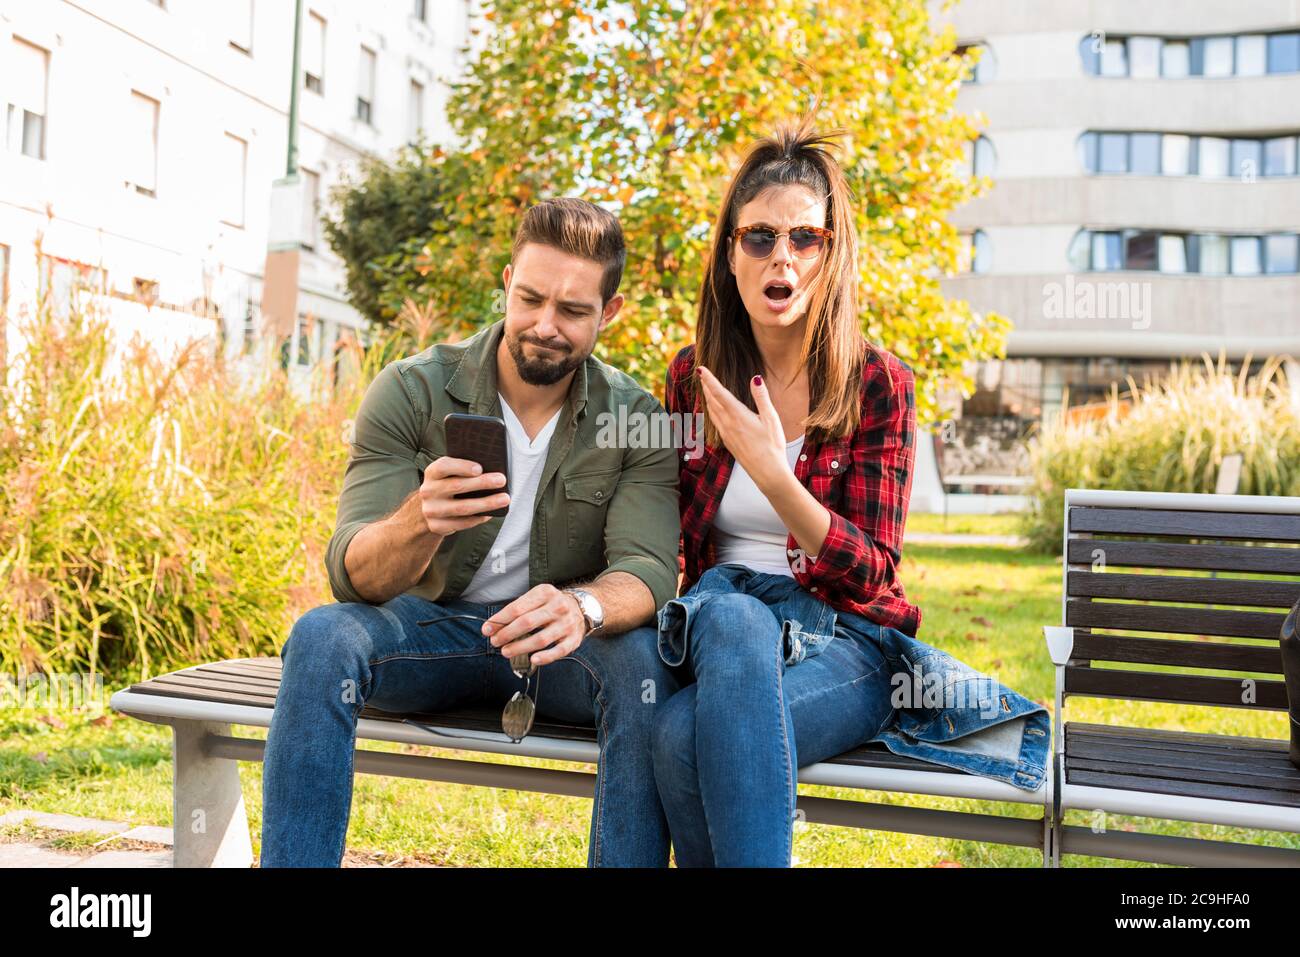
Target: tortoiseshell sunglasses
(806, 242)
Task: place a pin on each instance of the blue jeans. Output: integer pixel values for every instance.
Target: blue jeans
(344, 656)
(726, 748)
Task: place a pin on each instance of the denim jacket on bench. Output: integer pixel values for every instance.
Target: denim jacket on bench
(947, 713)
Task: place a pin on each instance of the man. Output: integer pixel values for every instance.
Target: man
(405, 550)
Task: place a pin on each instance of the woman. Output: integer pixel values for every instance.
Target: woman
(792, 518)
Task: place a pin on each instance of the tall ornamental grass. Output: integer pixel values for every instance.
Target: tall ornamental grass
(1170, 436)
(154, 514)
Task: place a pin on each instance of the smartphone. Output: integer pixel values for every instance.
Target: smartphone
(481, 439)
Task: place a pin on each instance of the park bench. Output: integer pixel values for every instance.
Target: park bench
(1176, 598)
(203, 703)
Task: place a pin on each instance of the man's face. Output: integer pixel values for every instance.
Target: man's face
(553, 312)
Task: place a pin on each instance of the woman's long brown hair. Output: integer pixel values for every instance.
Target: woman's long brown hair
(834, 348)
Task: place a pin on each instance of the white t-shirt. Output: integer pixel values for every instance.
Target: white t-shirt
(747, 529)
(504, 572)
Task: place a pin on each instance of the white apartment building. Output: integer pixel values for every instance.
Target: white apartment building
(1145, 206)
(142, 138)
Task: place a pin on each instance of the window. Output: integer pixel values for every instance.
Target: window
(1106, 251)
(415, 111)
(1212, 156)
(302, 355)
(1280, 156)
(1284, 53)
(366, 85)
(1281, 253)
(26, 109)
(1212, 255)
(1144, 154)
(1175, 59)
(1140, 250)
(1216, 56)
(1175, 154)
(1113, 153)
(1252, 55)
(240, 26)
(1144, 57)
(142, 170)
(234, 165)
(981, 252)
(1246, 256)
(421, 10)
(1175, 253)
(310, 208)
(1172, 254)
(1114, 58)
(1247, 158)
(313, 53)
(986, 69)
(250, 326)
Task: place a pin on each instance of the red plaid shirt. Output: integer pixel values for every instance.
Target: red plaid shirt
(863, 480)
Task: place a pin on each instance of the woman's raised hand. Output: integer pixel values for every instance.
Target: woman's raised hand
(756, 441)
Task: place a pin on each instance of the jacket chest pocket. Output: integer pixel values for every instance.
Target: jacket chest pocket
(586, 497)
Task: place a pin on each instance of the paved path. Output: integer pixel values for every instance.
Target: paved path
(31, 851)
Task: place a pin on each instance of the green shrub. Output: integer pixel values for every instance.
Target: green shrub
(1171, 436)
(155, 514)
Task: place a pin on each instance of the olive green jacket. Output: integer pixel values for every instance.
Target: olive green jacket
(598, 509)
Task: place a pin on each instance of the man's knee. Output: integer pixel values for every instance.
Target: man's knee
(327, 636)
(672, 737)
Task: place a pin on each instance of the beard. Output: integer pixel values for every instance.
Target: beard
(543, 371)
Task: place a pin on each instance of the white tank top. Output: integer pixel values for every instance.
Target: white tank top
(747, 529)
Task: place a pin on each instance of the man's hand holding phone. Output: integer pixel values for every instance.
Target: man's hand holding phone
(447, 477)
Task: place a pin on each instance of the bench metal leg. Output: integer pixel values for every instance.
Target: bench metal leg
(210, 826)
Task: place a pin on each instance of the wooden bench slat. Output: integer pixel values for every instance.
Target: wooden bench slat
(1162, 738)
(1209, 591)
(1261, 788)
(1154, 785)
(1175, 620)
(1263, 768)
(1181, 555)
(1089, 646)
(1173, 688)
(1187, 524)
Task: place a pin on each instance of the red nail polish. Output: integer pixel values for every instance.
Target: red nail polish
(758, 380)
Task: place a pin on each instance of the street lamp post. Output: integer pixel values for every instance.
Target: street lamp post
(284, 240)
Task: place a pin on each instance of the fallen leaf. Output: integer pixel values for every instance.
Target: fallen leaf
(52, 721)
(40, 757)
(946, 863)
(971, 636)
(982, 621)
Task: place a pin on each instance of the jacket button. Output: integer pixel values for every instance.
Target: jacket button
(803, 458)
(599, 494)
(814, 588)
(835, 464)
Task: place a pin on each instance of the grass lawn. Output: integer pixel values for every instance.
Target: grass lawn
(117, 768)
(1005, 523)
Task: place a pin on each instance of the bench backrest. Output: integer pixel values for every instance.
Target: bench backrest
(1193, 587)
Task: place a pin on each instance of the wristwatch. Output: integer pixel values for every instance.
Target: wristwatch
(592, 612)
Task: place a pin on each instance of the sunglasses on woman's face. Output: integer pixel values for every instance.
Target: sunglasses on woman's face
(806, 242)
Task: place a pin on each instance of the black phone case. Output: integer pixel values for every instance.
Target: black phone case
(481, 439)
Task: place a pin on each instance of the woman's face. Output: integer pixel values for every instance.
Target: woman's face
(775, 290)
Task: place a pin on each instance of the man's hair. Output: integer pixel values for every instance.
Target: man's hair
(578, 228)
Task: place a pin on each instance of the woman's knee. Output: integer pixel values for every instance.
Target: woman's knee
(734, 630)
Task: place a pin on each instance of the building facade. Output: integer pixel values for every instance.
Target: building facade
(142, 138)
(1145, 207)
